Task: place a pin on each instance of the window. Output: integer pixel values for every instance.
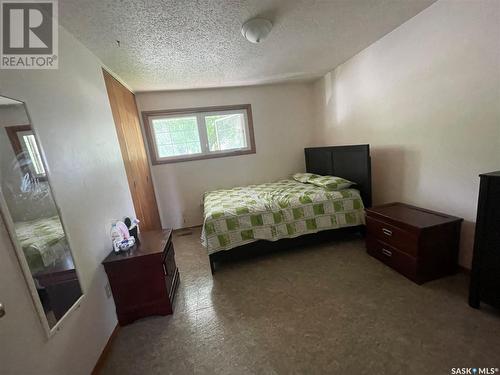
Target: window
(31, 149)
(199, 133)
(26, 149)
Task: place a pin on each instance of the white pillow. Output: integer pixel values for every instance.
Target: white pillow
(304, 177)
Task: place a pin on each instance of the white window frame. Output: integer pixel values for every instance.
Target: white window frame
(200, 114)
(38, 156)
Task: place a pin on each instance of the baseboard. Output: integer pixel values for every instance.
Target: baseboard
(102, 358)
(187, 228)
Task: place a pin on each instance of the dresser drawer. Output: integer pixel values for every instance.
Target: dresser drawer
(394, 258)
(404, 241)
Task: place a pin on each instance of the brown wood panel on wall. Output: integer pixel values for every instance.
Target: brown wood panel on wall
(128, 129)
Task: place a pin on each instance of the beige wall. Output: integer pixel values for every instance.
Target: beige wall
(282, 119)
(426, 97)
(70, 112)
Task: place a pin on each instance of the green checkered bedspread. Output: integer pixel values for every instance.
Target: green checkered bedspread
(43, 241)
(283, 209)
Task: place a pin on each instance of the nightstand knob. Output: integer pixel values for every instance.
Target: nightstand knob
(2, 310)
(387, 252)
(387, 232)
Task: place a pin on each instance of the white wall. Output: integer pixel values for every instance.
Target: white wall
(427, 99)
(13, 114)
(282, 119)
(70, 112)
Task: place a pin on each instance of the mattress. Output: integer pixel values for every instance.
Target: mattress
(272, 211)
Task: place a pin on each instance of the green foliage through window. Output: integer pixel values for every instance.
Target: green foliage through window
(225, 132)
(199, 133)
(176, 136)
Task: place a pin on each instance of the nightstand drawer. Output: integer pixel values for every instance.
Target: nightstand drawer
(394, 236)
(170, 270)
(394, 258)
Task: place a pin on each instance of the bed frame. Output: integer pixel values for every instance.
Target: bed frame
(350, 162)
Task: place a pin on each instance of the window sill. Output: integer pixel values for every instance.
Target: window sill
(205, 156)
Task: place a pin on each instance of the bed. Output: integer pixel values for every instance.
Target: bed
(43, 242)
(246, 218)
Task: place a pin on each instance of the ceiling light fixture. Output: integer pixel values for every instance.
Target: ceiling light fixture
(256, 29)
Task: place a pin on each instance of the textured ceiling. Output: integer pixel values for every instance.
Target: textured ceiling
(166, 44)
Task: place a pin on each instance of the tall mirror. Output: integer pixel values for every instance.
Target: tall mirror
(32, 217)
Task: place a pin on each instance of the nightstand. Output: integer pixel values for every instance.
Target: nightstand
(144, 279)
(418, 243)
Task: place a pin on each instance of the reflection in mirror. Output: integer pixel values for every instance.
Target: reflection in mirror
(29, 207)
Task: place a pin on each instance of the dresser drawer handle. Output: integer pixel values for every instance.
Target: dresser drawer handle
(387, 232)
(387, 252)
(164, 269)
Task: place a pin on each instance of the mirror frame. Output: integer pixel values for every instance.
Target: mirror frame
(9, 224)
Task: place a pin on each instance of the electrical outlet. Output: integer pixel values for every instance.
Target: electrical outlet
(107, 289)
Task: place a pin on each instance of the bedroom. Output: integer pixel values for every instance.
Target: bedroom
(418, 81)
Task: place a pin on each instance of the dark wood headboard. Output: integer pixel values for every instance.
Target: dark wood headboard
(350, 162)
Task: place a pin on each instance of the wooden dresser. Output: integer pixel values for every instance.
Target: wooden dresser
(485, 275)
(144, 279)
(420, 244)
